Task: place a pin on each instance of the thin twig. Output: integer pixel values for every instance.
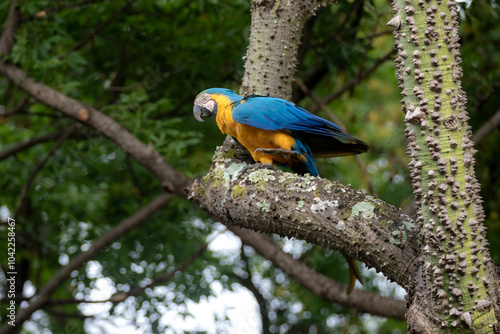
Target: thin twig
(60, 314)
(334, 36)
(162, 278)
(362, 62)
(17, 108)
(118, 78)
(39, 166)
(377, 34)
(21, 146)
(335, 119)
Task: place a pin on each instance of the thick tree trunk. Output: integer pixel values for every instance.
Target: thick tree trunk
(453, 288)
(275, 33)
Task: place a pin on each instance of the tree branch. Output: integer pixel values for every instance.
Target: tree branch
(171, 179)
(320, 285)
(62, 274)
(377, 34)
(118, 298)
(17, 108)
(162, 278)
(60, 314)
(487, 127)
(325, 213)
(21, 146)
(9, 31)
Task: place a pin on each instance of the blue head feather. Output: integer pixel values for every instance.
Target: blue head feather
(230, 94)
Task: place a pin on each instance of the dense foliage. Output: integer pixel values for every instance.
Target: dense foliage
(143, 62)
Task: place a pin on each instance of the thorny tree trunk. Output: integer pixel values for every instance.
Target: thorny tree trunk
(455, 286)
(275, 33)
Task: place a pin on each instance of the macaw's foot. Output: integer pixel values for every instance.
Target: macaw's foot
(277, 151)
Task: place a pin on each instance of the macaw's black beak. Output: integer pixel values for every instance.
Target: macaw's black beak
(200, 111)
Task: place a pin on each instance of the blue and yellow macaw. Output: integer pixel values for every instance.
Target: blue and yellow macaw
(278, 132)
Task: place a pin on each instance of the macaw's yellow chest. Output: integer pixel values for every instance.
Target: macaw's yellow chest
(253, 138)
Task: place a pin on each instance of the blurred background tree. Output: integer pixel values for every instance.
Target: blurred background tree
(142, 62)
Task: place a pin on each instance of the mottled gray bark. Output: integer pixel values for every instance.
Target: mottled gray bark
(317, 210)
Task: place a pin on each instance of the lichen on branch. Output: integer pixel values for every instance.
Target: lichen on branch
(317, 210)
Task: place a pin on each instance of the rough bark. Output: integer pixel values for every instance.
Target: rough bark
(275, 34)
(453, 288)
(319, 211)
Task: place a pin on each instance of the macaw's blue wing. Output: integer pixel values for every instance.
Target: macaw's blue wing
(324, 138)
